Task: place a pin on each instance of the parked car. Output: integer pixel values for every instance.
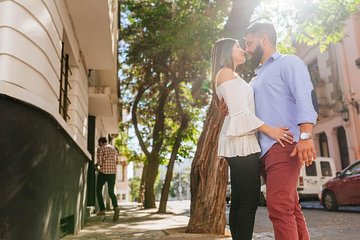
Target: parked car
(342, 190)
(314, 176)
(311, 179)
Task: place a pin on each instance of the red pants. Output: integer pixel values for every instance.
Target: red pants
(281, 174)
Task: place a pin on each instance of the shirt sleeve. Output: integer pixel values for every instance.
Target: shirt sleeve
(99, 156)
(297, 77)
(242, 120)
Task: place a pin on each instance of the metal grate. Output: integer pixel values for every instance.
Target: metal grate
(64, 101)
(67, 226)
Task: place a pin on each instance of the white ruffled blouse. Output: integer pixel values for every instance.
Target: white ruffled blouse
(238, 132)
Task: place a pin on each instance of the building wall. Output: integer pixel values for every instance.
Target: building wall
(336, 83)
(329, 127)
(348, 51)
(45, 158)
(78, 109)
(122, 184)
(39, 39)
(43, 174)
(31, 35)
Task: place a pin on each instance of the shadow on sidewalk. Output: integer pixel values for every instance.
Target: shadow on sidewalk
(135, 223)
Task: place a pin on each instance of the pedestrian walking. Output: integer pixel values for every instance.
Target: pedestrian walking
(107, 157)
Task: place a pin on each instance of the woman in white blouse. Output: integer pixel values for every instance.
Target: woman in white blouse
(238, 143)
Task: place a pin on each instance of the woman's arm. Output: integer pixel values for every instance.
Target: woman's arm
(278, 133)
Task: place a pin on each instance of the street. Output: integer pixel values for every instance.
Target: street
(322, 224)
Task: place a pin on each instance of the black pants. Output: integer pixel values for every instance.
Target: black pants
(245, 193)
(110, 179)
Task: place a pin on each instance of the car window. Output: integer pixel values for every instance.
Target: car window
(354, 170)
(325, 169)
(311, 170)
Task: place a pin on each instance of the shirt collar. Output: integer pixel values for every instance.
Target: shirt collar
(272, 58)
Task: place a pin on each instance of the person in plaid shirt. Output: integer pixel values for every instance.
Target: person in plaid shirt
(107, 157)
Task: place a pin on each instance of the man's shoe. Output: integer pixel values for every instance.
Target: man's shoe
(116, 214)
(101, 213)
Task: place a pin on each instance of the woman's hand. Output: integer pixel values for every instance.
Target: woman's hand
(223, 107)
(280, 134)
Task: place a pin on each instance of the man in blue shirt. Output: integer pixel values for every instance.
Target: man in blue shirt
(283, 97)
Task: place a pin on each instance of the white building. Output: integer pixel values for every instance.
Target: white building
(58, 93)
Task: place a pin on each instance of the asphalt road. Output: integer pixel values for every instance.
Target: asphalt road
(323, 225)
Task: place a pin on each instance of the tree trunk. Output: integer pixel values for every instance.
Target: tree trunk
(170, 168)
(166, 187)
(151, 174)
(142, 184)
(208, 172)
(208, 180)
(157, 137)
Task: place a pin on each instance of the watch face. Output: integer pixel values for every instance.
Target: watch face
(303, 136)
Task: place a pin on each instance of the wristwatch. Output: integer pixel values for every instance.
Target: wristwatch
(305, 136)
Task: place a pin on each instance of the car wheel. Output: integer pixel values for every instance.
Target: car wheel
(262, 201)
(329, 201)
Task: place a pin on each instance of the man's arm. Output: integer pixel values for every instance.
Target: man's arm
(298, 79)
(305, 149)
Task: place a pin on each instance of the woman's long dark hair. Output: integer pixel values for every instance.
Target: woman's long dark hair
(221, 56)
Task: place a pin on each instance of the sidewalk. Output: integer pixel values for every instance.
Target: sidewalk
(135, 223)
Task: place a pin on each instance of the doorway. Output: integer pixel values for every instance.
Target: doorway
(324, 146)
(343, 147)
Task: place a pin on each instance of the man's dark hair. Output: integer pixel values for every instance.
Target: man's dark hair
(259, 29)
(102, 140)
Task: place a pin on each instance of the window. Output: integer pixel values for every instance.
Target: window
(325, 169)
(64, 101)
(343, 147)
(324, 147)
(311, 170)
(354, 170)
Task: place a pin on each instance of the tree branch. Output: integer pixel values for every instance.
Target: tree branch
(159, 127)
(139, 94)
(239, 18)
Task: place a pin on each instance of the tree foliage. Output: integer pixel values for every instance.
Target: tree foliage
(167, 49)
(134, 184)
(321, 22)
(313, 22)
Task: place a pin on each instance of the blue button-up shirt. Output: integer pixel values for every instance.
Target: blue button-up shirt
(283, 91)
